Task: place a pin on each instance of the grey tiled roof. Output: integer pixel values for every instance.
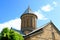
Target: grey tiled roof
(19, 31)
(28, 10)
(37, 30)
(41, 29)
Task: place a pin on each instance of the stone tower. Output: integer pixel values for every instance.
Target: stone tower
(28, 21)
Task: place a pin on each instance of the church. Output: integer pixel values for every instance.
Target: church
(30, 32)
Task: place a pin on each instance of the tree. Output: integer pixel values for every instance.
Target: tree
(15, 35)
(7, 34)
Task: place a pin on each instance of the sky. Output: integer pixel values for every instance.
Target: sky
(46, 10)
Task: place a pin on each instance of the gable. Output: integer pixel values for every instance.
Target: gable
(50, 31)
(51, 27)
(46, 33)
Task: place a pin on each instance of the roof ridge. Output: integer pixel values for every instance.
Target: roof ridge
(40, 27)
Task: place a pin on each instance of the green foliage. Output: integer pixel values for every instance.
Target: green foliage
(7, 34)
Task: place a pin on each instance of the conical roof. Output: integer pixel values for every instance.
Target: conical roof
(28, 10)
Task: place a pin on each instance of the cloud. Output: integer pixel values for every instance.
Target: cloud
(47, 8)
(40, 15)
(54, 3)
(15, 23)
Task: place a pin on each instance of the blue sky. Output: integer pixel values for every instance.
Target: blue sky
(46, 10)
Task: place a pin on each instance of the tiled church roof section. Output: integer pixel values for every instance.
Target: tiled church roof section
(41, 29)
(28, 10)
(19, 31)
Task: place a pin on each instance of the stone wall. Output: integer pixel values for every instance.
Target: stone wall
(49, 33)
